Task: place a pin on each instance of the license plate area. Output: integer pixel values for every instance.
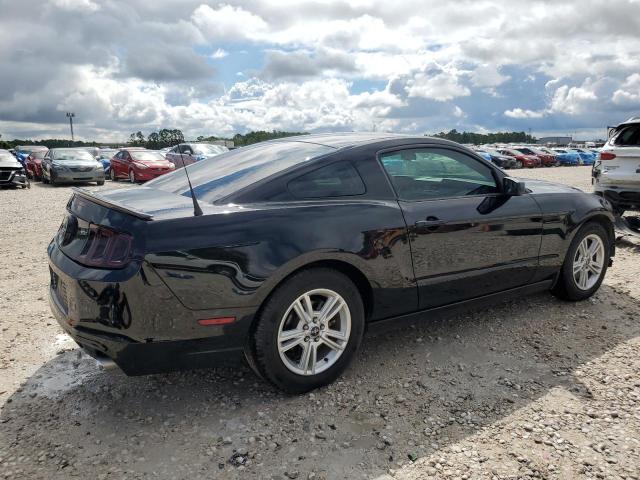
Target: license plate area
(60, 290)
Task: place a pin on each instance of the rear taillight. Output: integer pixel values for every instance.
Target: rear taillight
(607, 156)
(105, 248)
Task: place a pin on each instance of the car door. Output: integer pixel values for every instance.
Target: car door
(467, 238)
(115, 164)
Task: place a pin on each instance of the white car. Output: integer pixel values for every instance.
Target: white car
(616, 172)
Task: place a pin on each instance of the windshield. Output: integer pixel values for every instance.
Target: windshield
(39, 154)
(561, 151)
(6, 156)
(526, 151)
(147, 155)
(107, 153)
(220, 176)
(64, 155)
(207, 149)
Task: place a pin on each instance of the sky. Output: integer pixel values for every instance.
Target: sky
(220, 68)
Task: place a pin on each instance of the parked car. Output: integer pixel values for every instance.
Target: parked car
(188, 153)
(33, 164)
(104, 157)
(502, 161)
(139, 165)
(284, 252)
(616, 173)
(483, 154)
(586, 157)
(12, 173)
(567, 157)
(546, 159)
(23, 151)
(71, 165)
(522, 160)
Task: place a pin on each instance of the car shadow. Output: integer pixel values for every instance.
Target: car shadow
(451, 376)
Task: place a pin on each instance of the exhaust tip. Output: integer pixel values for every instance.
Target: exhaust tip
(106, 363)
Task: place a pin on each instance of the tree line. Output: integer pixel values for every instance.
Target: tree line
(167, 137)
(482, 138)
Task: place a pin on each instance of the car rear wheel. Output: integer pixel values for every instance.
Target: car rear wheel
(309, 330)
(585, 265)
(112, 175)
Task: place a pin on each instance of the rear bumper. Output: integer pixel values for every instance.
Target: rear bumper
(620, 197)
(132, 318)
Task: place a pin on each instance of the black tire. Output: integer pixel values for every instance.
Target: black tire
(518, 164)
(266, 356)
(100, 182)
(566, 287)
(112, 175)
(44, 179)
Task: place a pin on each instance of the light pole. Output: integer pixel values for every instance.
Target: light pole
(70, 116)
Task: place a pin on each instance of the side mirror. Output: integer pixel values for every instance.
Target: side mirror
(513, 187)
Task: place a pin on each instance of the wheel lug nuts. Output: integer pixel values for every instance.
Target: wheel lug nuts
(305, 327)
(315, 339)
(306, 339)
(321, 327)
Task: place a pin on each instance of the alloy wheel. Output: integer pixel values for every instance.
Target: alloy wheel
(588, 262)
(132, 176)
(112, 175)
(314, 332)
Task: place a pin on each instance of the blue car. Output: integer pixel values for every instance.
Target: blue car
(104, 156)
(484, 155)
(567, 157)
(586, 157)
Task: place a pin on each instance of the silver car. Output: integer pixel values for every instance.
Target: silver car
(71, 165)
(188, 153)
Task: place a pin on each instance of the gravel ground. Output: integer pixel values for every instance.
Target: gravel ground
(534, 388)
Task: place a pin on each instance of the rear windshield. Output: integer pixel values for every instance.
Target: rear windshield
(628, 137)
(39, 154)
(142, 155)
(229, 172)
(63, 155)
(205, 149)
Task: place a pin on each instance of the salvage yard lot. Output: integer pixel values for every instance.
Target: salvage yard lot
(534, 388)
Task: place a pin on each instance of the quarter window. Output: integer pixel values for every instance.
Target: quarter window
(422, 174)
(336, 180)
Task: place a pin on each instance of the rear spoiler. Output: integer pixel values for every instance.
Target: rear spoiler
(105, 202)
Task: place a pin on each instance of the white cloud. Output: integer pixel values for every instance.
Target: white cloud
(219, 53)
(76, 5)
(228, 23)
(628, 95)
(520, 113)
(572, 100)
(437, 83)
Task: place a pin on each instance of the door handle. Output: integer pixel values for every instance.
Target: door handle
(430, 222)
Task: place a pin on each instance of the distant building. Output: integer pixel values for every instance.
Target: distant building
(559, 141)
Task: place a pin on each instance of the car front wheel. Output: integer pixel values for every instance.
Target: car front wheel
(585, 265)
(309, 330)
(112, 175)
(132, 176)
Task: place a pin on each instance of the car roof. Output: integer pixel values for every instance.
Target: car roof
(348, 139)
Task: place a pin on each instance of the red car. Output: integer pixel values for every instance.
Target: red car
(33, 164)
(528, 161)
(546, 159)
(139, 165)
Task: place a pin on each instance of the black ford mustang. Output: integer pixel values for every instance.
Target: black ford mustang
(305, 242)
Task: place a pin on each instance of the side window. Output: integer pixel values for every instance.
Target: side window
(336, 180)
(185, 149)
(429, 173)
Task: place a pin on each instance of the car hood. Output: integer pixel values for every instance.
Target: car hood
(10, 162)
(542, 186)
